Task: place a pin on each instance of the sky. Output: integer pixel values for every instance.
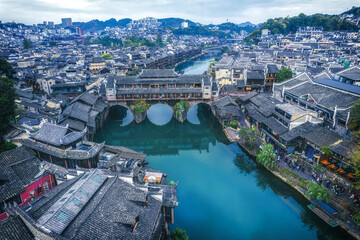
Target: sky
(202, 11)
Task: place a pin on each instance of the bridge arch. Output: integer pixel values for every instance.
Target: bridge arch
(121, 113)
(160, 114)
(193, 112)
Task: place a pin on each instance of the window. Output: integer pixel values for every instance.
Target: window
(62, 216)
(96, 178)
(83, 192)
(76, 202)
(46, 185)
(288, 116)
(63, 199)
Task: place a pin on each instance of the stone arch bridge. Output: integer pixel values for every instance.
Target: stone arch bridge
(181, 116)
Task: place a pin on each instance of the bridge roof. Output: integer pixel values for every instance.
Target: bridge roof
(158, 73)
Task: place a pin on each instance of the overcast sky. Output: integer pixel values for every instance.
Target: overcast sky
(203, 11)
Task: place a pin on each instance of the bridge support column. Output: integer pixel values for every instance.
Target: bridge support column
(179, 115)
(139, 116)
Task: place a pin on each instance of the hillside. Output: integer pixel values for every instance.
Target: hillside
(232, 27)
(199, 30)
(291, 24)
(174, 22)
(95, 25)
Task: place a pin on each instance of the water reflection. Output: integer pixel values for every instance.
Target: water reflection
(167, 139)
(265, 180)
(159, 114)
(121, 115)
(222, 193)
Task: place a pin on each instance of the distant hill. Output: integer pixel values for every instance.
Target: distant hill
(355, 11)
(232, 27)
(291, 24)
(247, 24)
(95, 25)
(200, 30)
(174, 22)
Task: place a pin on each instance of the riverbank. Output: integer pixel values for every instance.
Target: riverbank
(298, 183)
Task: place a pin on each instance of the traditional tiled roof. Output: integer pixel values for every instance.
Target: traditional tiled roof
(18, 168)
(56, 135)
(74, 216)
(158, 73)
(352, 73)
(65, 154)
(13, 228)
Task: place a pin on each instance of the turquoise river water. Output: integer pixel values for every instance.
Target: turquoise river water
(221, 192)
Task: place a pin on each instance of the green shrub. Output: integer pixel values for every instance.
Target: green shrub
(318, 192)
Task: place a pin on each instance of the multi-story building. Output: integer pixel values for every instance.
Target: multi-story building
(66, 22)
(158, 84)
(97, 64)
(148, 23)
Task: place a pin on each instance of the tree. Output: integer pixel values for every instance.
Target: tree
(159, 41)
(318, 192)
(27, 43)
(6, 68)
(284, 74)
(7, 103)
(355, 161)
(107, 56)
(267, 156)
(354, 122)
(169, 39)
(234, 124)
(178, 234)
(140, 106)
(249, 136)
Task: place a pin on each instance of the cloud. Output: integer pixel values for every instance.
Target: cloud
(203, 11)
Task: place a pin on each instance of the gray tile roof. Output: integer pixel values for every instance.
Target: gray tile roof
(352, 73)
(275, 125)
(108, 214)
(56, 135)
(158, 73)
(13, 228)
(18, 168)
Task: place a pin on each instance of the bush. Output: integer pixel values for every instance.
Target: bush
(267, 156)
(318, 192)
(356, 217)
(234, 124)
(178, 234)
(6, 146)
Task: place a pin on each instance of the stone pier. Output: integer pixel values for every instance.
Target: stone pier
(181, 116)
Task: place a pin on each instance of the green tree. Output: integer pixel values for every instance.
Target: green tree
(27, 43)
(267, 156)
(6, 68)
(354, 122)
(284, 74)
(159, 41)
(318, 192)
(52, 44)
(234, 124)
(140, 106)
(249, 136)
(356, 217)
(7, 103)
(6, 146)
(169, 40)
(178, 234)
(355, 161)
(107, 56)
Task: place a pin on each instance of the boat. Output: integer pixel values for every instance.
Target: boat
(329, 220)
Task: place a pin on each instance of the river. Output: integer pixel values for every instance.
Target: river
(221, 192)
